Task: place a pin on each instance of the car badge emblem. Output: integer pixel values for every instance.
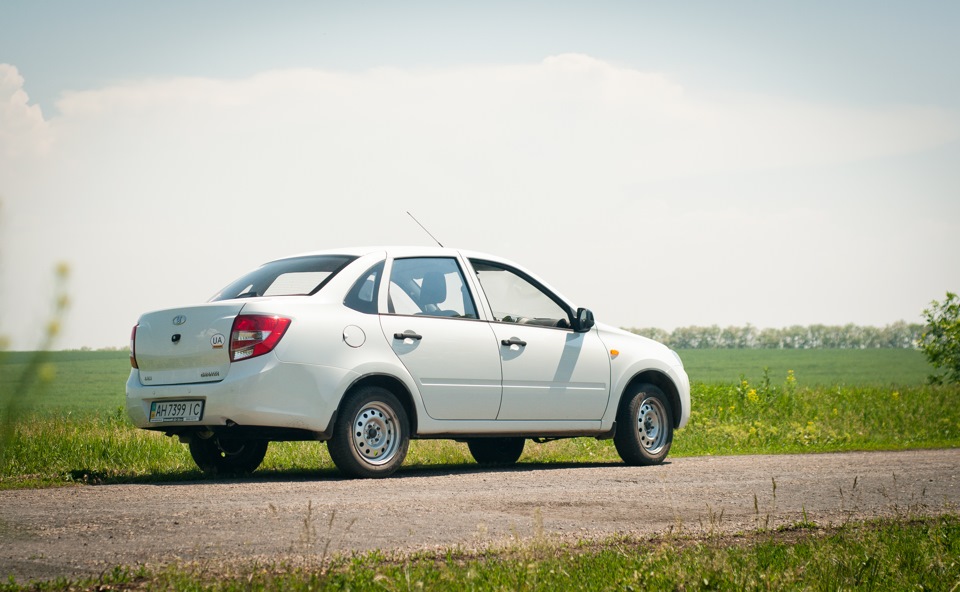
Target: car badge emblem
(179, 320)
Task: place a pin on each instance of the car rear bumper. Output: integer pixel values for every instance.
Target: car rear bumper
(261, 392)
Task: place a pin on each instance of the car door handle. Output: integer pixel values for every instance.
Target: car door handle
(513, 341)
(408, 334)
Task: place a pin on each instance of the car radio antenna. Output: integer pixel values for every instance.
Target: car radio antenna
(424, 228)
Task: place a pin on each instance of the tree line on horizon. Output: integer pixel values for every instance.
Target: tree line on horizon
(899, 335)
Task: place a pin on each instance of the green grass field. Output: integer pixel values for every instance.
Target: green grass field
(81, 381)
(811, 366)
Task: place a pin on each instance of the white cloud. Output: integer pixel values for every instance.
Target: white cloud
(23, 130)
(568, 113)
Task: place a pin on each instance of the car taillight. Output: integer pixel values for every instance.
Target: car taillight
(133, 348)
(255, 335)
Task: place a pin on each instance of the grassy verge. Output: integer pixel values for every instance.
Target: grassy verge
(747, 419)
(50, 448)
(903, 554)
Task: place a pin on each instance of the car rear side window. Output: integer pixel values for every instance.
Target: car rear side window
(298, 276)
(362, 296)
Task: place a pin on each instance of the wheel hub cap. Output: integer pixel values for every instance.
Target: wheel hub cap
(651, 420)
(374, 433)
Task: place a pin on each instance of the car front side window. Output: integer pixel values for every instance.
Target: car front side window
(429, 286)
(516, 299)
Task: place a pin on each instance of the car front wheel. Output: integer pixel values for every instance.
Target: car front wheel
(644, 426)
(496, 451)
(216, 455)
(371, 435)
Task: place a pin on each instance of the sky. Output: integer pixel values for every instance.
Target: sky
(664, 164)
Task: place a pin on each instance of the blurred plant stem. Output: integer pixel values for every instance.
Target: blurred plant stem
(19, 390)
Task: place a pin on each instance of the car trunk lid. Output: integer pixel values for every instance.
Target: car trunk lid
(185, 345)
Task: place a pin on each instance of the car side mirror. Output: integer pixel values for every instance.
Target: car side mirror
(583, 321)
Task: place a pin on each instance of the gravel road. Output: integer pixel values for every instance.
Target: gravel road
(84, 530)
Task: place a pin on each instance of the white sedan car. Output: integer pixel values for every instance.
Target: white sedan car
(368, 348)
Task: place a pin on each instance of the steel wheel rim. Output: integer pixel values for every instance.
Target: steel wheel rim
(651, 424)
(375, 433)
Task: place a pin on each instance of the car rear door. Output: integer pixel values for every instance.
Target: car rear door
(432, 324)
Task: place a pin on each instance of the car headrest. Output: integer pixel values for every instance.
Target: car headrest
(434, 288)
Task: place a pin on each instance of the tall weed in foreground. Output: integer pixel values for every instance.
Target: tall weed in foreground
(19, 390)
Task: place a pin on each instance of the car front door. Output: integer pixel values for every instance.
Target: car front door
(432, 324)
(549, 371)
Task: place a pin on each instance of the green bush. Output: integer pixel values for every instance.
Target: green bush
(941, 340)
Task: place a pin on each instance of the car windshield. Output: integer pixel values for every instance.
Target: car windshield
(299, 276)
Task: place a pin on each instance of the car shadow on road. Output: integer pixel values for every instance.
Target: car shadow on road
(194, 476)
(185, 477)
(445, 470)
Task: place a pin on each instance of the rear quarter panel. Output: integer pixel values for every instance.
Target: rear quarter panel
(316, 339)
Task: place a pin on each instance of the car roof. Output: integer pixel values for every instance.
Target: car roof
(402, 251)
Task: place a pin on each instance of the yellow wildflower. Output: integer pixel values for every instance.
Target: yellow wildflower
(47, 372)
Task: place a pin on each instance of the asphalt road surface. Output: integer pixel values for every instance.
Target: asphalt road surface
(85, 530)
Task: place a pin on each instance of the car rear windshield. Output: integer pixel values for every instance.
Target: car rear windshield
(298, 276)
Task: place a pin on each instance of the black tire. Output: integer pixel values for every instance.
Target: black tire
(219, 455)
(496, 451)
(372, 433)
(644, 426)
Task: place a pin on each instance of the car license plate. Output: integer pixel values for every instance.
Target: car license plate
(175, 411)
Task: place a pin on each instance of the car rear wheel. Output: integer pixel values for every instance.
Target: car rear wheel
(496, 451)
(644, 426)
(371, 435)
(218, 455)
